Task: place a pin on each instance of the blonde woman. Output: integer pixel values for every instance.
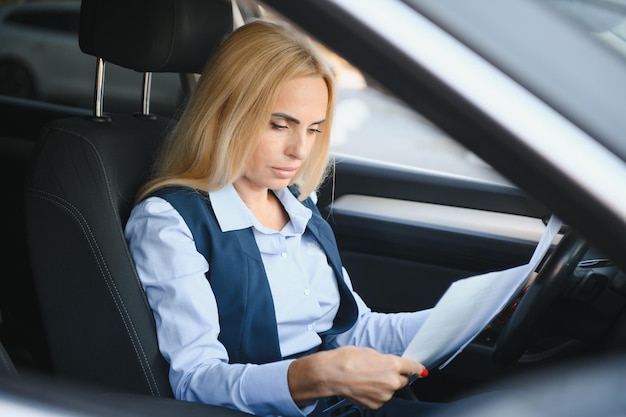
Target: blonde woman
(254, 310)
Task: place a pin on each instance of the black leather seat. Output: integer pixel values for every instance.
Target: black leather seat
(39, 394)
(7, 367)
(80, 188)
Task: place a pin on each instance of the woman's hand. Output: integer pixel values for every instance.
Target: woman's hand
(361, 375)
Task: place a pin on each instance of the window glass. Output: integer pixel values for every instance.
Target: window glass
(371, 123)
(61, 21)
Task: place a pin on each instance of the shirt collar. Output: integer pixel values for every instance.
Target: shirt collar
(232, 213)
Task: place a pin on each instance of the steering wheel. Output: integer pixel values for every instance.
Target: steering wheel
(548, 284)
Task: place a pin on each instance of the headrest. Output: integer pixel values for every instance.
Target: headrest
(154, 35)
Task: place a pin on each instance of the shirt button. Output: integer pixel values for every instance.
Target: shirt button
(309, 327)
(307, 292)
(284, 254)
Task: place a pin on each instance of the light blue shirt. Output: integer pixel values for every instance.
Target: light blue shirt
(303, 287)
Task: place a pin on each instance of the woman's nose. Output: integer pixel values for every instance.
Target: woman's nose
(298, 148)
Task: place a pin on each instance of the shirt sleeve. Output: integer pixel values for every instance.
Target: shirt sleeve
(386, 332)
(172, 273)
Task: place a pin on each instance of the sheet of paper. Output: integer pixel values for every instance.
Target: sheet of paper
(469, 305)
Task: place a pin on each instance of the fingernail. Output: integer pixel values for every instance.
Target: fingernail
(424, 373)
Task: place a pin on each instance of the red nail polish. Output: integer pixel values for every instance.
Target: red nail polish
(424, 373)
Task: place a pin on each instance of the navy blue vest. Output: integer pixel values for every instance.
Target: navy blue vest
(238, 279)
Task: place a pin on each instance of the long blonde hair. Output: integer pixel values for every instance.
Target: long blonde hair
(219, 129)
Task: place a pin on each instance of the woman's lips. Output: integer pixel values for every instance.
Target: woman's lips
(285, 172)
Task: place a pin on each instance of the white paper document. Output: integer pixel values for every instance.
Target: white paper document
(469, 305)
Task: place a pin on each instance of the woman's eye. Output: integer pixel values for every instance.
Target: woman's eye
(278, 126)
(314, 130)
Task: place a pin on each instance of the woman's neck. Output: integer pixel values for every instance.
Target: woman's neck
(266, 207)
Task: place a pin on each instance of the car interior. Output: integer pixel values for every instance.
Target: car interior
(74, 309)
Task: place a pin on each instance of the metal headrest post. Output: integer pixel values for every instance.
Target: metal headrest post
(145, 96)
(145, 93)
(98, 114)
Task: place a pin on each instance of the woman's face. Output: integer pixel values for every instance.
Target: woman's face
(298, 116)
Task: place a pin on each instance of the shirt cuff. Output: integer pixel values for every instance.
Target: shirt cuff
(277, 400)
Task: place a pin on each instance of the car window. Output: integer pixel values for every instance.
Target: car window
(56, 20)
(371, 123)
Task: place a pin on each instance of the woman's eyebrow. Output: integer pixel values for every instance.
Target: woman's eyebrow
(286, 117)
(293, 119)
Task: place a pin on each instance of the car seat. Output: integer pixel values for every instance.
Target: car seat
(7, 367)
(82, 180)
(40, 394)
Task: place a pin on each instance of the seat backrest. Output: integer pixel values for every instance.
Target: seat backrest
(82, 181)
(7, 367)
